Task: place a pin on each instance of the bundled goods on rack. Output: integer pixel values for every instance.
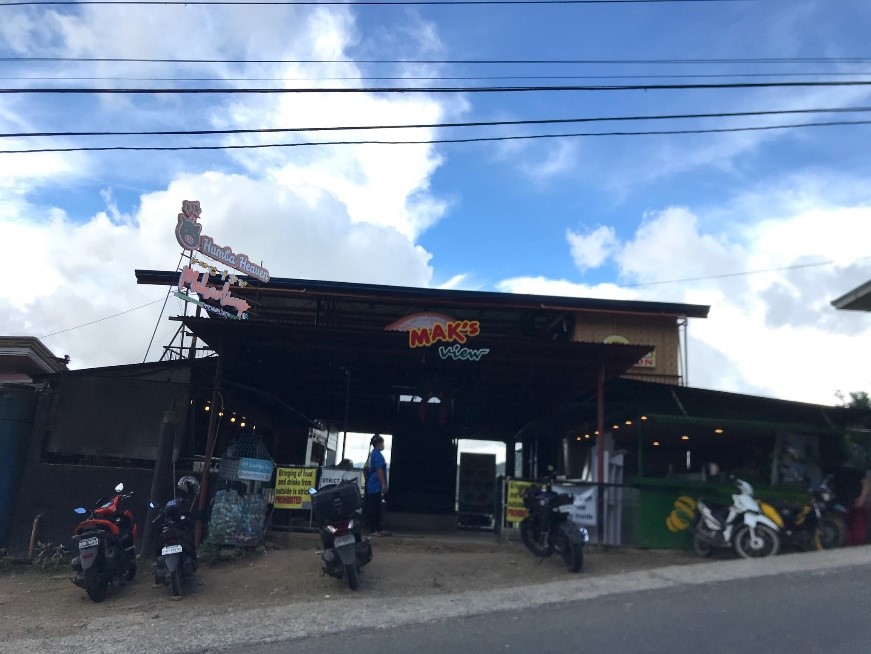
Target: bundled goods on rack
(252, 519)
(226, 516)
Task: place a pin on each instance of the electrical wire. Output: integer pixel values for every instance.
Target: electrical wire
(640, 284)
(379, 3)
(423, 79)
(590, 62)
(492, 123)
(434, 89)
(797, 266)
(92, 322)
(437, 141)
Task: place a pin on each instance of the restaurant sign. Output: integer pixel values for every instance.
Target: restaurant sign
(430, 328)
(647, 361)
(188, 233)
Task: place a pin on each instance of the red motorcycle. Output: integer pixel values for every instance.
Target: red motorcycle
(105, 542)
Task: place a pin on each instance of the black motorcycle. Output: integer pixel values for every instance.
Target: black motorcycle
(817, 524)
(176, 543)
(337, 507)
(547, 529)
(104, 540)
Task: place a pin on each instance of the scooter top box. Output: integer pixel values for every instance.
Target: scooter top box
(337, 501)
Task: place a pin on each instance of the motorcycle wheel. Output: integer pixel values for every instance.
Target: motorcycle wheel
(770, 542)
(96, 584)
(353, 576)
(572, 554)
(530, 536)
(175, 581)
(702, 548)
(828, 534)
(131, 571)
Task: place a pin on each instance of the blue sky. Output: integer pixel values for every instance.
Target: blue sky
(601, 217)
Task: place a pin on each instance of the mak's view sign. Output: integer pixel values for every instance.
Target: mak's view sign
(431, 328)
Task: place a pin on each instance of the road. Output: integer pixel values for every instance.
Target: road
(821, 611)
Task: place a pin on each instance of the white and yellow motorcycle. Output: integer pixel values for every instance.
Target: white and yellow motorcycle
(750, 527)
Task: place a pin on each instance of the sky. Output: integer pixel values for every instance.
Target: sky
(765, 226)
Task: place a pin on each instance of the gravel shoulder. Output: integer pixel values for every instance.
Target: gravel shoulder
(36, 605)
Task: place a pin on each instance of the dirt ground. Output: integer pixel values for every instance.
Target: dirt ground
(37, 604)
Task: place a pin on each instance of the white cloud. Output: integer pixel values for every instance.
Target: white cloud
(774, 333)
(592, 249)
(84, 270)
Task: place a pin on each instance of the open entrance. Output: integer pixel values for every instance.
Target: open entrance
(479, 466)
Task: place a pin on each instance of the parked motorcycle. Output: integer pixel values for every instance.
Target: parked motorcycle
(105, 543)
(751, 528)
(816, 525)
(176, 543)
(345, 551)
(547, 529)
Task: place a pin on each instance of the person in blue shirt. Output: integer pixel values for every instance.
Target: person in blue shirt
(376, 485)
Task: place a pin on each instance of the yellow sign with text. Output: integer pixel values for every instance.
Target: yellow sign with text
(291, 487)
(514, 509)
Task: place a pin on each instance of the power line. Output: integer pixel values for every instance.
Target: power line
(591, 62)
(740, 274)
(67, 78)
(437, 141)
(492, 123)
(114, 315)
(434, 89)
(379, 3)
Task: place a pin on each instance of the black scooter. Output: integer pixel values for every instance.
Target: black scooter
(547, 529)
(819, 524)
(176, 544)
(345, 550)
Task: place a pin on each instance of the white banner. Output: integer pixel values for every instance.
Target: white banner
(584, 511)
(335, 475)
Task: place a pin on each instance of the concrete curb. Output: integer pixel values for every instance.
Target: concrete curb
(198, 633)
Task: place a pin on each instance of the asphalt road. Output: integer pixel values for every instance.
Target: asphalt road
(824, 611)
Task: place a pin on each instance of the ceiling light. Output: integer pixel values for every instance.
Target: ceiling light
(644, 417)
(684, 437)
(655, 443)
(220, 414)
(233, 418)
(586, 435)
(208, 408)
(616, 427)
(718, 431)
(628, 422)
(242, 424)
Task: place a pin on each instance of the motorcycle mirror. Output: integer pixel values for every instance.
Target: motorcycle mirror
(80, 510)
(312, 491)
(119, 488)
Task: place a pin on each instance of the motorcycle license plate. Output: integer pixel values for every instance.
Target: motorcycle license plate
(344, 540)
(89, 542)
(171, 549)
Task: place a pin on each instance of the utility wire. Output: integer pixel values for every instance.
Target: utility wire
(114, 315)
(436, 141)
(641, 284)
(681, 62)
(797, 266)
(492, 123)
(435, 89)
(359, 78)
(379, 3)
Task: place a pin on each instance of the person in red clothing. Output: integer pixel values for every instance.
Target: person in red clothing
(852, 488)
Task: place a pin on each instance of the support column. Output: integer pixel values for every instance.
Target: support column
(217, 407)
(600, 453)
(509, 458)
(161, 483)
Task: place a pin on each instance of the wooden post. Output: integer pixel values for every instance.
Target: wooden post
(217, 407)
(600, 447)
